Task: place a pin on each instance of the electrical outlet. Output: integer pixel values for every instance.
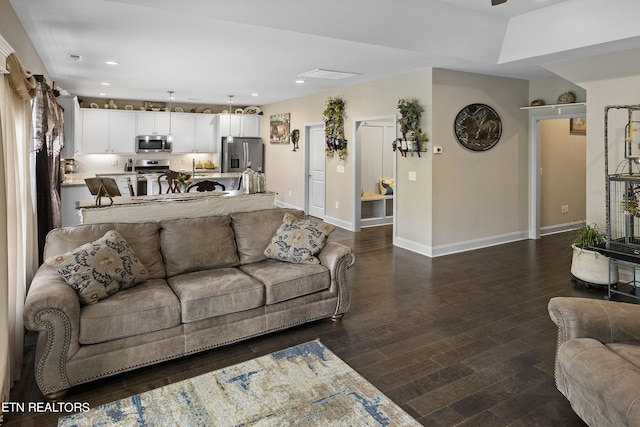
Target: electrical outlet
(114, 163)
(337, 205)
(412, 176)
(565, 209)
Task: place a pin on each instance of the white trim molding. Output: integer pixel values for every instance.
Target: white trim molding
(5, 48)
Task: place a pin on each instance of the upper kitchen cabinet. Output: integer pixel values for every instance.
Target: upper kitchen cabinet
(247, 125)
(205, 140)
(183, 131)
(108, 132)
(152, 123)
(72, 125)
(122, 125)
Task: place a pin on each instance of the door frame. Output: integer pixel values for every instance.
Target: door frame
(357, 179)
(305, 171)
(534, 167)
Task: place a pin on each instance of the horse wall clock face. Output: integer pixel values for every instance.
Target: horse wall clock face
(477, 127)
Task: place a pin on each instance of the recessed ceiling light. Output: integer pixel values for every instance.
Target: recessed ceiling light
(111, 62)
(102, 94)
(300, 82)
(194, 99)
(105, 84)
(255, 94)
(319, 73)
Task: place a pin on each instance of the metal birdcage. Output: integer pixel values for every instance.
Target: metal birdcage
(623, 188)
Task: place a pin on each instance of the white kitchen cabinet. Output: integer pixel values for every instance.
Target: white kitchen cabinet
(95, 131)
(107, 132)
(183, 129)
(122, 132)
(205, 136)
(239, 125)
(72, 126)
(251, 125)
(152, 123)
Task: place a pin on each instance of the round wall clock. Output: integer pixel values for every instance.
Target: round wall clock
(477, 127)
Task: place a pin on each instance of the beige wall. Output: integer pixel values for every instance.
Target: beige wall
(460, 199)
(621, 91)
(12, 31)
(562, 182)
(479, 198)
(285, 168)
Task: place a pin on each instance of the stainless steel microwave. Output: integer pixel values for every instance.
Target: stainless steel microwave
(152, 144)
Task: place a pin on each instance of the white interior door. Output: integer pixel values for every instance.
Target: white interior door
(316, 190)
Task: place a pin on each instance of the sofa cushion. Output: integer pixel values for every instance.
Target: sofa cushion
(194, 244)
(143, 239)
(99, 269)
(254, 230)
(284, 281)
(209, 293)
(148, 307)
(298, 240)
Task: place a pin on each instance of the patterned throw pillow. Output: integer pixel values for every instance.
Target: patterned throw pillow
(298, 240)
(99, 269)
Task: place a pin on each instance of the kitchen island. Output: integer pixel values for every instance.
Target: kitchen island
(172, 206)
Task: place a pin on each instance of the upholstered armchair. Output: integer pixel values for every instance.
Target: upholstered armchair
(597, 364)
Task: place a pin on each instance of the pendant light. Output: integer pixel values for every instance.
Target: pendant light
(170, 135)
(229, 101)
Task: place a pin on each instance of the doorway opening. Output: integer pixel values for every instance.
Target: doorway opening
(548, 180)
(374, 160)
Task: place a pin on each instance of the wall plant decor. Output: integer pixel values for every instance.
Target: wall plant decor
(413, 139)
(279, 128)
(477, 127)
(334, 128)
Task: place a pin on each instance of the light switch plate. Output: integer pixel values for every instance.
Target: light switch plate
(412, 176)
(340, 169)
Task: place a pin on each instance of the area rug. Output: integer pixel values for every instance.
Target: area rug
(305, 385)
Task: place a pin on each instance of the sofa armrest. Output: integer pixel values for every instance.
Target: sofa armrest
(338, 258)
(52, 307)
(605, 321)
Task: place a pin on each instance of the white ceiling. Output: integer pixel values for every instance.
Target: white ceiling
(204, 50)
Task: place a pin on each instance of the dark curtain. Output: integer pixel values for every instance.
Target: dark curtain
(48, 140)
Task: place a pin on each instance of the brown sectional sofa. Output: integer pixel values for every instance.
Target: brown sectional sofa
(209, 285)
(598, 359)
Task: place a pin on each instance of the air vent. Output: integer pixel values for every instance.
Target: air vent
(327, 74)
(74, 57)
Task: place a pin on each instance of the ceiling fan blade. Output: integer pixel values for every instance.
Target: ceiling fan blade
(497, 2)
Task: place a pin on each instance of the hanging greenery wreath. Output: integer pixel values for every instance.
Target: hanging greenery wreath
(334, 127)
(413, 139)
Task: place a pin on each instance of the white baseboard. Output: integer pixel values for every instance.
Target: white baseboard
(280, 204)
(412, 246)
(339, 223)
(559, 228)
(468, 245)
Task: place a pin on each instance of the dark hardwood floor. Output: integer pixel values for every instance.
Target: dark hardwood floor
(461, 340)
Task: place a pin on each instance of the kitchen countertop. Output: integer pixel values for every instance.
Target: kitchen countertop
(74, 179)
(169, 206)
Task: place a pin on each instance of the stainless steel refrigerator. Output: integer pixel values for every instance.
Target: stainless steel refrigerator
(239, 152)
